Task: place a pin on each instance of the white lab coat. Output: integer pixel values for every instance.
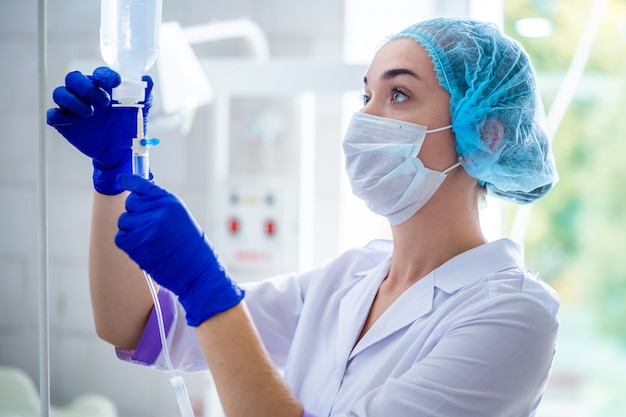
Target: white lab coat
(475, 337)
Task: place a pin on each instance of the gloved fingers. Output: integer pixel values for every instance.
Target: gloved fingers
(140, 226)
(139, 185)
(145, 197)
(106, 78)
(71, 103)
(121, 237)
(60, 117)
(87, 89)
(132, 223)
(79, 95)
(129, 238)
(145, 204)
(125, 222)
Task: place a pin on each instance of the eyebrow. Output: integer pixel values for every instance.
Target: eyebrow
(392, 73)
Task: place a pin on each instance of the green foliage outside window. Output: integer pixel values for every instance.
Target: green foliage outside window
(577, 234)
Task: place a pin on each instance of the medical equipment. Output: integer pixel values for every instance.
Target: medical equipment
(129, 36)
(141, 167)
(129, 39)
(140, 158)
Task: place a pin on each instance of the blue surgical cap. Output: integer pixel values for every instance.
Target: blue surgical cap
(497, 114)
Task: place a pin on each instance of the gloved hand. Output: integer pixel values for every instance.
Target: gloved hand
(104, 133)
(163, 238)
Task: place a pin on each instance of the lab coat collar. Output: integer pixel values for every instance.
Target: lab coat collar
(355, 307)
(467, 266)
(449, 277)
(415, 302)
(356, 304)
(475, 263)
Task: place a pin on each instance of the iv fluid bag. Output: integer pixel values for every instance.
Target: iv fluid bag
(129, 42)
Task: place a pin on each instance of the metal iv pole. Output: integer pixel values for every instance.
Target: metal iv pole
(44, 327)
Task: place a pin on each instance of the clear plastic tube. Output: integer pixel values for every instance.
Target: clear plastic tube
(159, 316)
(141, 167)
(141, 164)
(178, 383)
(140, 147)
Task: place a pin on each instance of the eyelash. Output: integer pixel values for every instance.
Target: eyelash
(365, 98)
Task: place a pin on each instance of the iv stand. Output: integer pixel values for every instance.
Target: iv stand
(44, 325)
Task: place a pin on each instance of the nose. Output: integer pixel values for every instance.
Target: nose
(372, 108)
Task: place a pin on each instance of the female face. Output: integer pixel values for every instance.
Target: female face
(401, 84)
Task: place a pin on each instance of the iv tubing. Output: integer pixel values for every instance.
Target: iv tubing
(44, 324)
(140, 167)
(159, 316)
(180, 390)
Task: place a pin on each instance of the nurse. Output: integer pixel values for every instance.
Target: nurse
(436, 322)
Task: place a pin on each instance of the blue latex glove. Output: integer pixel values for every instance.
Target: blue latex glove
(162, 237)
(104, 133)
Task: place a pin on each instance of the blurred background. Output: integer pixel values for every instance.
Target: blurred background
(252, 143)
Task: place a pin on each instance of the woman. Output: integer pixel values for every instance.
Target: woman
(437, 322)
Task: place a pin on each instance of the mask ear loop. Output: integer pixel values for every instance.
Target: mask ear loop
(439, 129)
(452, 167)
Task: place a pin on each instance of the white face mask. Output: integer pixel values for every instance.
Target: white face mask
(382, 163)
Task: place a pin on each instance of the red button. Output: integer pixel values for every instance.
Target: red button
(270, 228)
(233, 225)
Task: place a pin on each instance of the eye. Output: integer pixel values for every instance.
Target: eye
(398, 96)
(364, 99)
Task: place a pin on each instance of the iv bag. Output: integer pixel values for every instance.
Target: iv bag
(129, 42)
